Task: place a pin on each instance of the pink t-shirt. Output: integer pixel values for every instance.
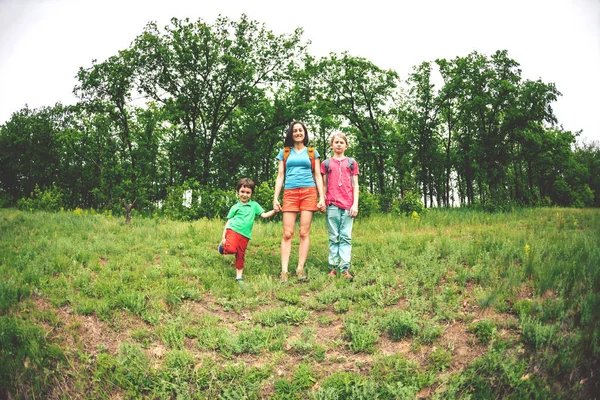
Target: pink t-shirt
(339, 190)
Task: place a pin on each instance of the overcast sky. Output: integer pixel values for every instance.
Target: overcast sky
(44, 42)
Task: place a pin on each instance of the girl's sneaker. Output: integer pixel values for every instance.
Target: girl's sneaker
(301, 274)
(220, 248)
(332, 273)
(283, 278)
(347, 275)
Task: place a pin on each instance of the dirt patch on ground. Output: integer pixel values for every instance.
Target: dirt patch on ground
(389, 347)
(465, 346)
(525, 291)
(85, 332)
(92, 335)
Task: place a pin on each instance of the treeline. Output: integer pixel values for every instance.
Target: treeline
(199, 105)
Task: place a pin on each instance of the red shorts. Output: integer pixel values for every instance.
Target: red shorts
(300, 199)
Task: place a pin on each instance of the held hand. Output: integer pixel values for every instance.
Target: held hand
(276, 206)
(321, 206)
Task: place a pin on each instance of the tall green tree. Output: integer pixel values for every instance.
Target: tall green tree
(361, 93)
(29, 150)
(588, 154)
(107, 87)
(203, 73)
(527, 122)
(422, 123)
(448, 100)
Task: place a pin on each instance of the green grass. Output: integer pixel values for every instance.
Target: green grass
(454, 304)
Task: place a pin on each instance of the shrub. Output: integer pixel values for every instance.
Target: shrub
(340, 384)
(400, 324)
(193, 201)
(484, 330)
(397, 368)
(537, 333)
(411, 202)
(263, 195)
(367, 204)
(440, 358)
(522, 307)
(49, 199)
(5, 199)
(362, 337)
(430, 332)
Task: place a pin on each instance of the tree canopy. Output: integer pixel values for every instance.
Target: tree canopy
(201, 105)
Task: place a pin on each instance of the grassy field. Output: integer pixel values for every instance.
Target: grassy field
(449, 304)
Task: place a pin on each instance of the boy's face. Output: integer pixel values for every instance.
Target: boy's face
(244, 194)
(338, 145)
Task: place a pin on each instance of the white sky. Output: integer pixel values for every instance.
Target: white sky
(44, 42)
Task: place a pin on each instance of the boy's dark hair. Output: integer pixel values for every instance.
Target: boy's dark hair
(289, 136)
(249, 183)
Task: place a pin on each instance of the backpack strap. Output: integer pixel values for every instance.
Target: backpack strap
(286, 154)
(351, 169)
(351, 165)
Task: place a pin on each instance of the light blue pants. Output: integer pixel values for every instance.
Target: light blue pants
(339, 225)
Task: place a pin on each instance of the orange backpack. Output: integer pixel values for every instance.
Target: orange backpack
(311, 155)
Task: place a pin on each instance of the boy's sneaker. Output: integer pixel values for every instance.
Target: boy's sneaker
(283, 277)
(220, 248)
(332, 273)
(241, 284)
(347, 275)
(301, 274)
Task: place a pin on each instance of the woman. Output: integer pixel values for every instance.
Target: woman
(302, 193)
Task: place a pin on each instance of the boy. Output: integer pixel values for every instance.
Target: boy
(238, 229)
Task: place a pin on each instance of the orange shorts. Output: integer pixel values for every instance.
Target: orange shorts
(300, 199)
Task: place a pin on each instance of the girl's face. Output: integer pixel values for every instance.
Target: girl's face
(298, 133)
(244, 194)
(338, 145)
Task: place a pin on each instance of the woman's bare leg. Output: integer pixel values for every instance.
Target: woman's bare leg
(305, 221)
(289, 221)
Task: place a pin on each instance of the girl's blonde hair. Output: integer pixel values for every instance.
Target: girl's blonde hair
(340, 135)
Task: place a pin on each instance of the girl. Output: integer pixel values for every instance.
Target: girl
(340, 177)
(302, 193)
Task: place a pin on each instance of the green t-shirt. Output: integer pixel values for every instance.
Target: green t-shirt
(241, 217)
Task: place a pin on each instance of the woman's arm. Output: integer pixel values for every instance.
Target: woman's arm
(278, 186)
(319, 182)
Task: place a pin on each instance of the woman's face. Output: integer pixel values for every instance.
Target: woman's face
(298, 133)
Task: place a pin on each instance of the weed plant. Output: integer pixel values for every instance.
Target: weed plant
(451, 303)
